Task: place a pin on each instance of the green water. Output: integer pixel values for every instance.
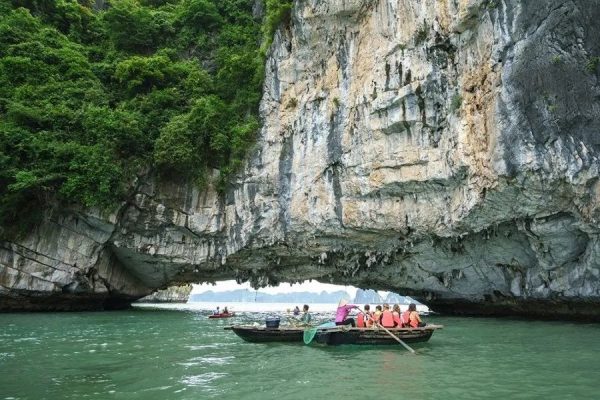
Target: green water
(150, 354)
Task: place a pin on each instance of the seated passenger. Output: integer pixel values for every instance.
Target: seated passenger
(377, 315)
(364, 318)
(405, 316)
(387, 317)
(397, 317)
(306, 317)
(414, 320)
(341, 316)
(225, 311)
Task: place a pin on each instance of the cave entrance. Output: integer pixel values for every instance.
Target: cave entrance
(321, 297)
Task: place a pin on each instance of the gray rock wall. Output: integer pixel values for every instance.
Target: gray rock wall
(173, 294)
(442, 149)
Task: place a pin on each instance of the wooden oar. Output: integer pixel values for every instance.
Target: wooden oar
(407, 347)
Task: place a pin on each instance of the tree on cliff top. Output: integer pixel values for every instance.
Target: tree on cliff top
(89, 98)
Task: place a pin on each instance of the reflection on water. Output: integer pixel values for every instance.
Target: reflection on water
(170, 354)
(203, 379)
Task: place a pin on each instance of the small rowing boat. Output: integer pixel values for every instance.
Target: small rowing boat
(334, 335)
(370, 336)
(222, 315)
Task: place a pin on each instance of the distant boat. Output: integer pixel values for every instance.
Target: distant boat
(334, 336)
(222, 315)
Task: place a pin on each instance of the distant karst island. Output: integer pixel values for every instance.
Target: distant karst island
(246, 295)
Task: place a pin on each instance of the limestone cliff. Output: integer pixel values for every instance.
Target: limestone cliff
(446, 149)
(173, 294)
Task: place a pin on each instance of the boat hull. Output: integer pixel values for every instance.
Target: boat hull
(264, 335)
(372, 336)
(217, 316)
(334, 336)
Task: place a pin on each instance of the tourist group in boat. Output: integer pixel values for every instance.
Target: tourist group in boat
(353, 324)
(218, 311)
(383, 315)
(221, 314)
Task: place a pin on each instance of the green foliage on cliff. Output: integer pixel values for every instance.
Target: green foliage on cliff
(90, 97)
(277, 11)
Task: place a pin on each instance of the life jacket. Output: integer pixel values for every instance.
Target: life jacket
(387, 319)
(369, 320)
(397, 320)
(405, 317)
(376, 317)
(414, 319)
(360, 320)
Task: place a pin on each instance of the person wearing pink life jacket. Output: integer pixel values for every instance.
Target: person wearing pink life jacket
(362, 317)
(404, 317)
(341, 315)
(387, 318)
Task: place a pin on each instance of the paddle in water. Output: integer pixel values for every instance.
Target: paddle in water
(309, 334)
(407, 347)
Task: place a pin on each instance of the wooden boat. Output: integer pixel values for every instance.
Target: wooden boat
(260, 334)
(337, 336)
(334, 336)
(222, 315)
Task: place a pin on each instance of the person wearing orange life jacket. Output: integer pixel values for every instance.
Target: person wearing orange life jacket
(387, 318)
(376, 317)
(405, 317)
(397, 318)
(363, 318)
(414, 320)
(370, 321)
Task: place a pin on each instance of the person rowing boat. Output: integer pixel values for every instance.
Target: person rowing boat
(341, 316)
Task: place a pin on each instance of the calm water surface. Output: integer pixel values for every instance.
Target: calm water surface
(180, 354)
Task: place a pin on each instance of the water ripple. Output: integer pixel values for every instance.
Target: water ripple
(156, 355)
(203, 379)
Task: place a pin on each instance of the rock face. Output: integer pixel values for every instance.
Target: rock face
(173, 294)
(446, 149)
(367, 297)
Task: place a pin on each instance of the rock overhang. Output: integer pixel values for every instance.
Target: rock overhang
(438, 151)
